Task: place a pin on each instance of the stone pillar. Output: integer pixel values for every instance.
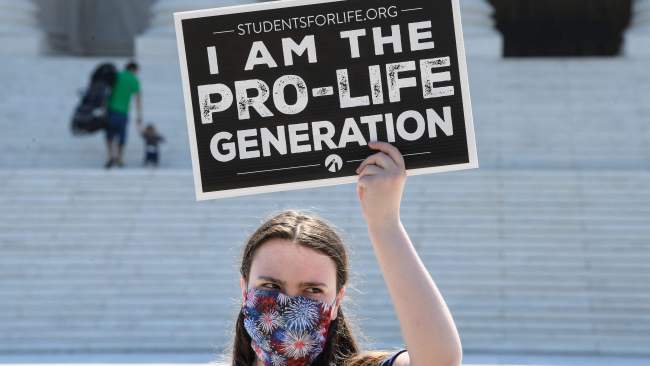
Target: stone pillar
(637, 37)
(481, 36)
(20, 33)
(159, 40)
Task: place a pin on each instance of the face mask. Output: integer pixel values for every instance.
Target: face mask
(285, 330)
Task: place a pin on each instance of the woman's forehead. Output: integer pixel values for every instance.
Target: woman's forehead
(292, 263)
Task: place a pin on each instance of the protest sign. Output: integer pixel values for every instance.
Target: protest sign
(287, 94)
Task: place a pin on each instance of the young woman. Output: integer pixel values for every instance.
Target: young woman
(294, 273)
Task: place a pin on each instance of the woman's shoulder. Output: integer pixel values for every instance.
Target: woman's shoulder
(390, 360)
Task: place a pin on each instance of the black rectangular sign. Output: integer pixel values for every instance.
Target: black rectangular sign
(287, 94)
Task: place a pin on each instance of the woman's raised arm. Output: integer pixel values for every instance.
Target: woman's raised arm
(426, 323)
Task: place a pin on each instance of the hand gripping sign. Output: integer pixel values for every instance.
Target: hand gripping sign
(287, 94)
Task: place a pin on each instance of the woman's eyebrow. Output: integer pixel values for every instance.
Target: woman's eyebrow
(271, 279)
(313, 284)
(302, 284)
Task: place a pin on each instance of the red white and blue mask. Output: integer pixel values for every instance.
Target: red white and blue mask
(286, 330)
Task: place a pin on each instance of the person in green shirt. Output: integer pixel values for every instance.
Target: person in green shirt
(126, 86)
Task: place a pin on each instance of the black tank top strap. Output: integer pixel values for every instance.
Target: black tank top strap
(389, 361)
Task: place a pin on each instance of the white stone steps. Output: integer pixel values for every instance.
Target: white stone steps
(143, 275)
(441, 253)
(459, 234)
(86, 314)
(441, 189)
(139, 286)
(513, 325)
(462, 298)
(551, 326)
(515, 213)
(640, 229)
(512, 104)
(157, 280)
(183, 174)
(442, 257)
(546, 260)
(141, 290)
(516, 255)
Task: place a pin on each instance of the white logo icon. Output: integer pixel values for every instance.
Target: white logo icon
(334, 163)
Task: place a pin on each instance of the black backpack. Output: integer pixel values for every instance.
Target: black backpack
(91, 114)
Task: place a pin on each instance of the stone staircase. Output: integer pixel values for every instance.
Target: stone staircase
(550, 114)
(537, 260)
(545, 249)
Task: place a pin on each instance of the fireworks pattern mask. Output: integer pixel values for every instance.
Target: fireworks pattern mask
(285, 330)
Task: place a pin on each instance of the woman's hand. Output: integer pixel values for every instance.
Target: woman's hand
(380, 186)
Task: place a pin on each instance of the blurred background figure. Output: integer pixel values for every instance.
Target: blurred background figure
(152, 140)
(126, 85)
(543, 253)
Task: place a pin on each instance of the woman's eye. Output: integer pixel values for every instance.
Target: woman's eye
(271, 285)
(314, 290)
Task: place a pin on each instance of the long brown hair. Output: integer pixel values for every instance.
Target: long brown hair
(310, 231)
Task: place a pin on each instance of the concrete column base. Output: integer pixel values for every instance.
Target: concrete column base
(637, 38)
(159, 41)
(20, 34)
(490, 46)
(481, 37)
(23, 45)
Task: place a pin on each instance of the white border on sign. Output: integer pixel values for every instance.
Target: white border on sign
(189, 110)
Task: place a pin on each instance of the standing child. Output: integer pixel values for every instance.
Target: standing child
(151, 141)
